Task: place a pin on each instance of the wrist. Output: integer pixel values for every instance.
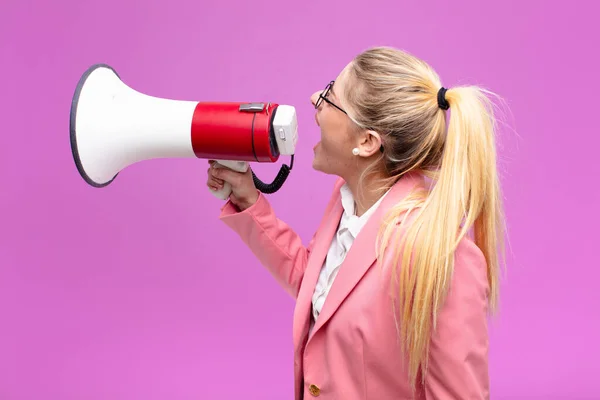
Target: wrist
(248, 202)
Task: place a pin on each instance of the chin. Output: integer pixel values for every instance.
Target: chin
(319, 168)
(315, 165)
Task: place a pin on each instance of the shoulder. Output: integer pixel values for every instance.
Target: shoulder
(470, 267)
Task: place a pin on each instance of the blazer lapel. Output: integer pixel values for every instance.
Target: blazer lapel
(323, 238)
(361, 255)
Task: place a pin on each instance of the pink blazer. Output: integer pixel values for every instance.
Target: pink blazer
(353, 351)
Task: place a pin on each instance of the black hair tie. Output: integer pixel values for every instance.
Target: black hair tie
(441, 98)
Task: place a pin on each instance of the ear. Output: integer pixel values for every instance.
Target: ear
(370, 143)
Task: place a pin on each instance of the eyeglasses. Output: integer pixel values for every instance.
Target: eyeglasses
(323, 96)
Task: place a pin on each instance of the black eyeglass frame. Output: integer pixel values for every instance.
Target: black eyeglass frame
(323, 97)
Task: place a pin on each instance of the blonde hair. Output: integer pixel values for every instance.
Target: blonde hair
(395, 94)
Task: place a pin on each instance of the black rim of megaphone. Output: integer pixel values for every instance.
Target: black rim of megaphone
(73, 130)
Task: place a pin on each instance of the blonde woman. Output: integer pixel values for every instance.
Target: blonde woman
(393, 291)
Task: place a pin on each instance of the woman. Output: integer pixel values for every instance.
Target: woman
(393, 290)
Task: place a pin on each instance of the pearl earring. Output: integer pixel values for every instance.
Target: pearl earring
(355, 151)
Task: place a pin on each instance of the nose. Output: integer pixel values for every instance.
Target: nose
(315, 97)
(313, 100)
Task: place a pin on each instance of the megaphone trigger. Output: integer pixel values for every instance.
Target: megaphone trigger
(113, 126)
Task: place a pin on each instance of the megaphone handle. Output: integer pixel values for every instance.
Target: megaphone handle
(239, 166)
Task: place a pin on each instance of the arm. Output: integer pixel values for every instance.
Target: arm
(273, 242)
(458, 360)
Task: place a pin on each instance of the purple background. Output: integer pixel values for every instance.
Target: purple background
(138, 291)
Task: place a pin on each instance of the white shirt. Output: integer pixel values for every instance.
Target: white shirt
(348, 229)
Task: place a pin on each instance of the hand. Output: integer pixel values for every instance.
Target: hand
(243, 192)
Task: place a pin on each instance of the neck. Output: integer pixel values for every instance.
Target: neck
(367, 194)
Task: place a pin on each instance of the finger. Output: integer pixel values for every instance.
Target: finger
(215, 166)
(212, 172)
(216, 182)
(227, 175)
(211, 175)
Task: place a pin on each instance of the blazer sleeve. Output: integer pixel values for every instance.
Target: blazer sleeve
(271, 240)
(458, 359)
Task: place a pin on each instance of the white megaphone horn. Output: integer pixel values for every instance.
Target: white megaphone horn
(113, 126)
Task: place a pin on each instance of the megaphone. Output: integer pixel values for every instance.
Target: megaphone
(113, 126)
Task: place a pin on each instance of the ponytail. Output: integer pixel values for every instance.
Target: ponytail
(465, 199)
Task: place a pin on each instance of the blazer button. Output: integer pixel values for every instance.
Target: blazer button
(314, 390)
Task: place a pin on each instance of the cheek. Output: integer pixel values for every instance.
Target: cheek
(334, 147)
(330, 141)
(336, 144)
(332, 133)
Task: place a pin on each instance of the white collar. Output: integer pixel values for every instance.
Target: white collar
(355, 223)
